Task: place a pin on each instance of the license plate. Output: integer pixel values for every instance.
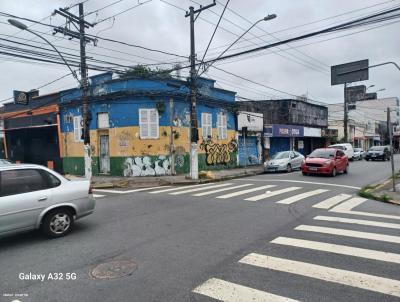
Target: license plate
(313, 168)
(373, 155)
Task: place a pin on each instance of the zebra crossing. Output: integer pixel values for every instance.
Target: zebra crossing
(251, 192)
(353, 278)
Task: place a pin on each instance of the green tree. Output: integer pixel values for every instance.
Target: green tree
(145, 72)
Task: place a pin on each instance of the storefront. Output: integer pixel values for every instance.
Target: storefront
(291, 137)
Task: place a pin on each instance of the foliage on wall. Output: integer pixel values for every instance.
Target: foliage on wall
(219, 153)
(147, 166)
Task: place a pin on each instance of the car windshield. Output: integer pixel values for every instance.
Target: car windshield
(323, 153)
(357, 149)
(377, 148)
(337, 147)
(281, 155)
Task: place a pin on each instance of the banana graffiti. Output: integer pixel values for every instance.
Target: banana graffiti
(218, 153)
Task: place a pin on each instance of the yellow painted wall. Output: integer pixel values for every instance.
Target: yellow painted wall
(125, 141)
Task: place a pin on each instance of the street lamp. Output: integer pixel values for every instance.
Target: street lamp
(22, 26)
(266, 18)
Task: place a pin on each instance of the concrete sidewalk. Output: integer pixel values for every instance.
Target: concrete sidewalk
(152, 181)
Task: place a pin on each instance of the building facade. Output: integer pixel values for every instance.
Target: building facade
(141, 127)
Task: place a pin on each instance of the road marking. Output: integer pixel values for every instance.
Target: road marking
(300, 181)
(231, 292)
(177, 188)
(339, 249)
(369, 282)
(368, 214)
(348, 233)
(272, 193)
(349, 204)
(128, 191)
(98, 195)
(242, 192)
(200, 189)
(359, 221)
(330, 202)
(221, 190)
(298, 197)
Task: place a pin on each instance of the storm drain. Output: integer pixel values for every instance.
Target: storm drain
(113, 269)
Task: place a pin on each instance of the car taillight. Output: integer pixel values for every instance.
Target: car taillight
(90, 189)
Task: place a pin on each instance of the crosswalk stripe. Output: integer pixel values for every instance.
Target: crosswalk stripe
(348, 233)
(98, 195)
(339, 249)
(330, 202)
(177, 188)
(128, 191)
(231, 292)
(298, 197)
(359, 221)
(242, 192)
(221, 190)
(272, 193)
(359, 213)
(200, 189)
(364, 281)
(349, 204)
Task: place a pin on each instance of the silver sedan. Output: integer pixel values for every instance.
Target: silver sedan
(285, 161)
(34, 197)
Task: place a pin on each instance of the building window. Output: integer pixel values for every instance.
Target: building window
(206, 125)
(78, 128)
(103, 120)
(148, 123)
(222, 126)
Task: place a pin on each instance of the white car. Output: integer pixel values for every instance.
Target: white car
(284, 161)
(34, 197)
(347, 148)
(359, 153)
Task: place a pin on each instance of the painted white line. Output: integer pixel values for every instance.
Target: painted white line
(369, 282)
(339, 249)
(300, 181)
(98, 195)
(242, 192)
(330, 202)
(231, 292)
(359, 222)
(272, 193)
(368, 214)
(128, 191)
(349, 204)
(298, 197)
(177, 188)
(348, 233)
(201, 189)
(222, 190)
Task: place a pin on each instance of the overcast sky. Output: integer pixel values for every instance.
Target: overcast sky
(156, 24)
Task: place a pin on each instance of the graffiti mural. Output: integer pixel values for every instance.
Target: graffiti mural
(147, 166)
(219, 153)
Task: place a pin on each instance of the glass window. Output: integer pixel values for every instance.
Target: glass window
(78, 128)
(21, 181)
(323, 153)
(206, 125)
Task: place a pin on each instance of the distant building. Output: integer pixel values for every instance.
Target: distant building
(367, 124)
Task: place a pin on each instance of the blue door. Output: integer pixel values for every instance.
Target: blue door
(248, 154)
(278, 144)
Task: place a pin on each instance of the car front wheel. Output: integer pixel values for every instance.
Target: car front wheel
(58, 223)
(334, 172)
(346, 170)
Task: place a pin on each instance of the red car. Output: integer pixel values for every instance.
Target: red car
(327, 161)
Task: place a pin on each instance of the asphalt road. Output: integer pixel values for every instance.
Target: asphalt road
(215, 245)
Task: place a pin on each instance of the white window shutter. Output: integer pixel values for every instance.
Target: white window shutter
(103, 120)
(77, 128)
(143, 123)
(209, 117)
(153, 123)
(203, 125)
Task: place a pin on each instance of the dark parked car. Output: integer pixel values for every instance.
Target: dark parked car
(378, 152)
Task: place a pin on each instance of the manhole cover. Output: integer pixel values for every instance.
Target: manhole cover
(114, 269)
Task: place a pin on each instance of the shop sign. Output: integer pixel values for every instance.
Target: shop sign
(287, 131)
(312, 132)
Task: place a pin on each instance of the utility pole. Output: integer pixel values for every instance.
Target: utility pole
(346, 115)
(80, 21)
(194, 133)
(171, 138)
(391, 148)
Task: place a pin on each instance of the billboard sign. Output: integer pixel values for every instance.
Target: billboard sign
(21, 97)
(349, 72)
